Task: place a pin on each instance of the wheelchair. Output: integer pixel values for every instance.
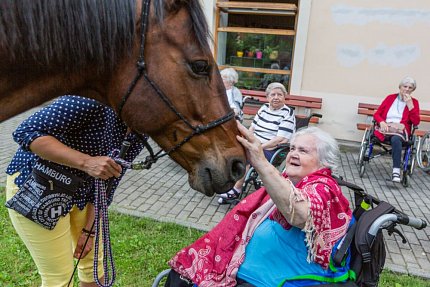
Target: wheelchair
(423, 152)
(371, 217)
(367, 152)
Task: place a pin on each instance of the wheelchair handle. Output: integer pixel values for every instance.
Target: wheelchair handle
(397, 218)
(411, 221)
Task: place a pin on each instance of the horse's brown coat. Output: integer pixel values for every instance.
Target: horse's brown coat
(214, 160)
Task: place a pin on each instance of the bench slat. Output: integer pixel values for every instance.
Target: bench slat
(258, 98)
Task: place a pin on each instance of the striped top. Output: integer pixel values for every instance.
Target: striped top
(271, 123)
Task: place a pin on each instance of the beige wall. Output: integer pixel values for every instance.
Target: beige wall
(350, 51)
(358, 51)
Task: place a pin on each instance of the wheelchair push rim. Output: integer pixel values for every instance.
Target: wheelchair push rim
(423, 152)
(363, 149)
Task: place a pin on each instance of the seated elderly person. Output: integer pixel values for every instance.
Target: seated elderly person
(395, 117)
(273, 124)
(235, 100)
(286, 229)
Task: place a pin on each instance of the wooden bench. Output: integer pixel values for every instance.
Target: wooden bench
(370, 109)
(254, 100)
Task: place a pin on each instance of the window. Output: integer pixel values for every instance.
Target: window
(257, 40)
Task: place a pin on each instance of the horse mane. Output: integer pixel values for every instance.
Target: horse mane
(198, 19)
(69, 34)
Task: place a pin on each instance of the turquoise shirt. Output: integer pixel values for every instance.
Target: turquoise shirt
(274, 254)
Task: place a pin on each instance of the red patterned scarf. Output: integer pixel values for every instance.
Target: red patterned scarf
(214, 259)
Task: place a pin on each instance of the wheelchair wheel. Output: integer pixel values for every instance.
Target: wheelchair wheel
(363, 149)
(413, 156)
(161, 278)
(252, 182)
(423, 152)
(278, 159)
(405, 179)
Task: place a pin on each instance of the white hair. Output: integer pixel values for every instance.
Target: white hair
(408, 80)
(327, 147)
(230, 75)
(276, 85)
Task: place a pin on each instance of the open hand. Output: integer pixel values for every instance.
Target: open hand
(383, 126)
(252, 145)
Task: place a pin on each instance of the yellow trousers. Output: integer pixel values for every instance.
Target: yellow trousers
(52, 250)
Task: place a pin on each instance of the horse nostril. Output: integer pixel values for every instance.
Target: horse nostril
(237, 169)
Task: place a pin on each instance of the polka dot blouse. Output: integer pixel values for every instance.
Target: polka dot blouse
(82, 124)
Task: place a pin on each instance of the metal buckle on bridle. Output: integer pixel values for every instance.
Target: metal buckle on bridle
(146, 164)
(141, 65)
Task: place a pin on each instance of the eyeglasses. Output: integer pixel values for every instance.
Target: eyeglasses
(272, 95)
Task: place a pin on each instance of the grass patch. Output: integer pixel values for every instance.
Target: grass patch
(141, 249)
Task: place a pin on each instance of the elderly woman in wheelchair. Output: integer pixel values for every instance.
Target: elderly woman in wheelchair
(281, 234)
(394, 123)
(235, 99)
(273, 124)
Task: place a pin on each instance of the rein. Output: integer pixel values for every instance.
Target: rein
(141, 71)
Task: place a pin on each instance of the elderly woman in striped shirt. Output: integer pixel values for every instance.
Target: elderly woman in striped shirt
(273, 124)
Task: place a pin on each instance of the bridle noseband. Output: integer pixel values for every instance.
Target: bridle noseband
(141, 71)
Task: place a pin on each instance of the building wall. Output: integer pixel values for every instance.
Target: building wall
(350, 51)
(358, 51)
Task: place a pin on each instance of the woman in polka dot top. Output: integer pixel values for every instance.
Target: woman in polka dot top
(79, 134)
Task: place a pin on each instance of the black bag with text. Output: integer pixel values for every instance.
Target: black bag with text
(45, 194)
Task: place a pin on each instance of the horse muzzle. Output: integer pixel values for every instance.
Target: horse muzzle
(210, 178)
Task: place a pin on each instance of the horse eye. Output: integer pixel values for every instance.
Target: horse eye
(200, 68)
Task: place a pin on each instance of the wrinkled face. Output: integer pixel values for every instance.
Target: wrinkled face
(406, 89)
(302, 158)
(276, 99)
(227, 84)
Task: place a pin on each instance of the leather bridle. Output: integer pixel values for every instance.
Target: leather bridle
(141, 71)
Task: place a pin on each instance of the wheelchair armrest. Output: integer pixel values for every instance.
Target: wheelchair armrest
(315, 115)
(283, 146)
(414, 128)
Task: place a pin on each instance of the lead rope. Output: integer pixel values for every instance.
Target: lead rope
(102, 192)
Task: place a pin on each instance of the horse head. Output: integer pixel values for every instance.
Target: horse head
(182, 91)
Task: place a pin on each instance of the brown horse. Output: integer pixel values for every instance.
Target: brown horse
(90, 48)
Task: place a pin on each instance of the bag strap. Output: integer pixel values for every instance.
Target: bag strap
(343, 247)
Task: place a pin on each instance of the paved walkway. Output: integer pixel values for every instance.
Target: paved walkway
(163, 193)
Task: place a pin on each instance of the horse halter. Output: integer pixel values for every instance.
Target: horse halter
(141, 71)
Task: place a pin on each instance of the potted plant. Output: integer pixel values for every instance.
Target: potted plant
(271, 52)
(258, 54)
(239, 46)
(251, 52)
